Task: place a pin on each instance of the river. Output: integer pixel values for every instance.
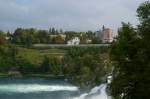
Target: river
(44, 88)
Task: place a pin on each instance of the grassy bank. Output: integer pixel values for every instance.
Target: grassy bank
(37, 55)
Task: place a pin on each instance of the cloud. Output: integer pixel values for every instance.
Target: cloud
(79, 15)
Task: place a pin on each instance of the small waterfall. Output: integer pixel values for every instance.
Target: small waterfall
(98, 92)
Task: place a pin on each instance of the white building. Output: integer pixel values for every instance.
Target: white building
(74, 41)
(88, 41)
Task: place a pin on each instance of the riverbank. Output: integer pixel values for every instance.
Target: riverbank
(33, 75)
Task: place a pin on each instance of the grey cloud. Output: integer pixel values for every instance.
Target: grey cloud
(80, 15)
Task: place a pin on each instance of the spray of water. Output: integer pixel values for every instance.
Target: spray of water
(28, 88)
(98, 92)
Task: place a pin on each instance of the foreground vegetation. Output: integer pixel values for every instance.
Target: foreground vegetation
(130, 54)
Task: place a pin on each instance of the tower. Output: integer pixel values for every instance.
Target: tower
(107, 35)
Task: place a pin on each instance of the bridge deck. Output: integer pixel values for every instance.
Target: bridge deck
(65, 45)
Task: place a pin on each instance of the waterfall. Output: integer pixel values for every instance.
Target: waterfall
(98, 92)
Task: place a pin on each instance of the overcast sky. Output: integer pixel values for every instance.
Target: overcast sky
(78, 15)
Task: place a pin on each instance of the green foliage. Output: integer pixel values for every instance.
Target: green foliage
(45, 65)
(23, 36)
(143, 12)
(130, 54)
(59, 40)
(123, 53)
(30, 36)
(2, 38)
(96, 40)
(8, 58)
(27, 61)
(84, 66)
(56, 66)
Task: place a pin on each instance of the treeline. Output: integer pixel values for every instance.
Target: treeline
(32, 36)
(2, 38)
(130, 54)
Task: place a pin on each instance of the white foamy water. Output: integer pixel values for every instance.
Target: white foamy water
(98, 92)
(28, 88)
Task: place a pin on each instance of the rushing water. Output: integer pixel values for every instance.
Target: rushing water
(42, 88)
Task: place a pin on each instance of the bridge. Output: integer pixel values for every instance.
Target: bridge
(65, 45)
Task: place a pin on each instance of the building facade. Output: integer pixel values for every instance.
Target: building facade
(74, 41)
(106, 35)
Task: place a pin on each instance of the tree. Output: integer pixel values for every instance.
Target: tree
(59, 39)
(61, 31)
(96, 40)
(45, 67)
(130, 54)
(123, 53)
(144, 32)
(56, 66)
(84, 66)
(50, 30)
(53, 30)
(2, 38)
